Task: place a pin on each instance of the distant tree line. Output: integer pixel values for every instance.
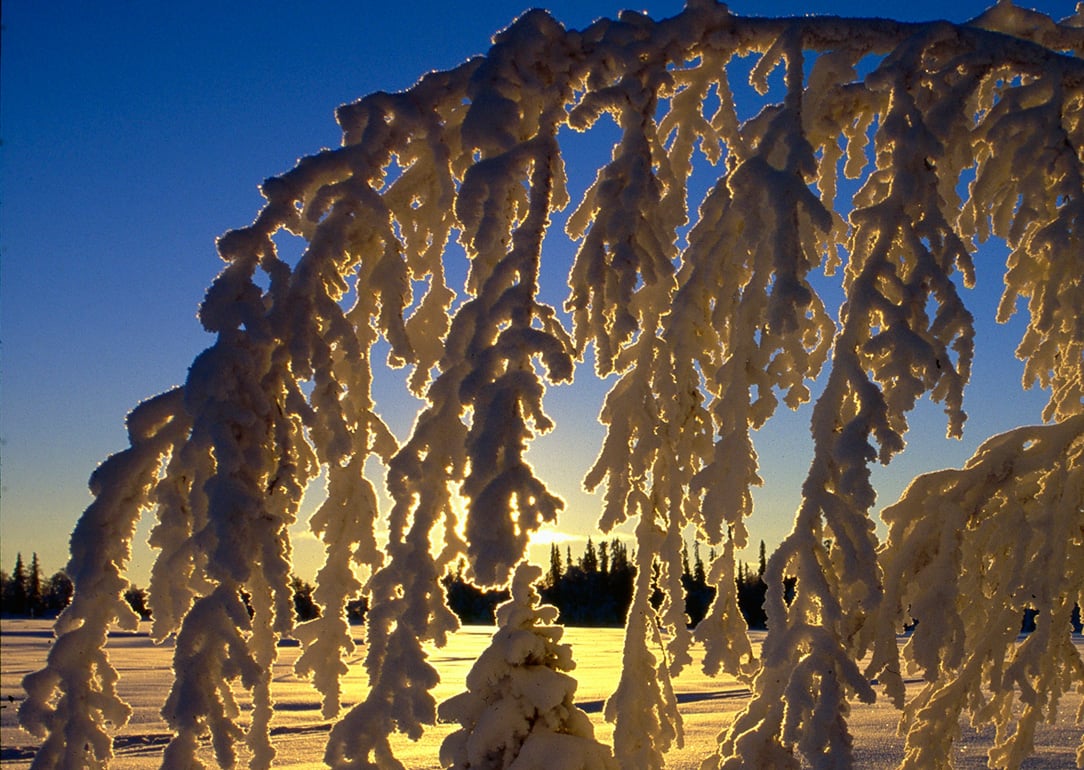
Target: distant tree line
(27, 593)
(596, 588)
(593, 590)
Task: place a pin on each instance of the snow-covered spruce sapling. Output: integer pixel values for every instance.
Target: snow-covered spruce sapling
(518, 711)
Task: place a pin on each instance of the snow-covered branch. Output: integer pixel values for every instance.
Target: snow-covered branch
(707, 317)
(78, 670)
(1005, 528)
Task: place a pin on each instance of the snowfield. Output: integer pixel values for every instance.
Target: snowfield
(298, 732)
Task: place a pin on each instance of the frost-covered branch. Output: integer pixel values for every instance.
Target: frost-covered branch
(78, 669)
(1005, 528)
(706, 318)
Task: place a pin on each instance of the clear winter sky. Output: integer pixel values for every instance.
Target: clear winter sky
(135, 133)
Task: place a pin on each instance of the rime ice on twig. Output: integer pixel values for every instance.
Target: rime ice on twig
(705, 328)
(1006, 527)
(74, 726)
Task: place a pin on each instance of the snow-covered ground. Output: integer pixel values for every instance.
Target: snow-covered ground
(706, 704)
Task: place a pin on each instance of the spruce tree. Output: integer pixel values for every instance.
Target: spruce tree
(34, 603)
(58, 592)
(554, 576)
(518, 709)
(589, 563)
(18, 585)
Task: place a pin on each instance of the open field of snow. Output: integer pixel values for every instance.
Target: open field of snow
(706, 704)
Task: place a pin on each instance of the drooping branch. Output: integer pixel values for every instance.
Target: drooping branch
(946, 547)
(74, 726)
(706, 327)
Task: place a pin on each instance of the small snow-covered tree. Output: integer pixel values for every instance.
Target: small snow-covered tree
(707, 314)
(517, 711)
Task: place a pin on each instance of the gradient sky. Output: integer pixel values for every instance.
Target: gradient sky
(136, 133)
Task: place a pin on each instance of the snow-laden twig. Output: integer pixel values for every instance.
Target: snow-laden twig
(705, 329)
(78, 670)
(1005, 528)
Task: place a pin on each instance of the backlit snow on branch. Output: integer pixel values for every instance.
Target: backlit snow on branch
(706, 313)
(74, 725)
(1006, 527)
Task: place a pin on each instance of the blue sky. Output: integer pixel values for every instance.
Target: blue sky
(136, 133)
